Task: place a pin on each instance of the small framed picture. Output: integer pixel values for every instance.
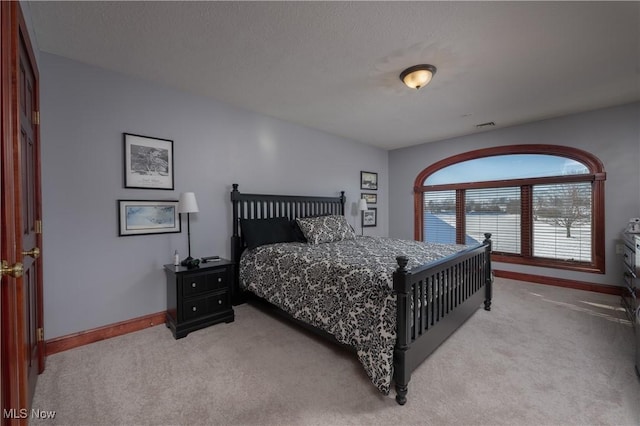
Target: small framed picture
(368, 180)
(370, 198)
(370, 218)
(141, 217)
(148, 162)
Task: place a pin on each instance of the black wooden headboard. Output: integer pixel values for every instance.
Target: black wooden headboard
(264, 206)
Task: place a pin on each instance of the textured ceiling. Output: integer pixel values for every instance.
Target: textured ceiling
(334, 66)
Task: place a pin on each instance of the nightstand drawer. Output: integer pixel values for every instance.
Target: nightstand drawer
(206, 306)
(193, 284)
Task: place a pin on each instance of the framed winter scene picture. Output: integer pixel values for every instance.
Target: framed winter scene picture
(368, 180)
(143, 217)
(148, 162)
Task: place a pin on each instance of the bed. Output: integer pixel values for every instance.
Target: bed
(412, 295)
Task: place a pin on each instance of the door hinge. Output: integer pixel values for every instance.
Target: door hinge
(40, 333)
(38, 226)
(36, 118)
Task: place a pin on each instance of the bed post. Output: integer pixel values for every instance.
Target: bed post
(236, 246)
(402, 286)
(488, 286)
(343, 199)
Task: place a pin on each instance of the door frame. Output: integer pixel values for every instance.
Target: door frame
(15, 385)
(10, 376)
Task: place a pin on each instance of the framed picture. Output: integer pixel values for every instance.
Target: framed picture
(368, 180)
(136, 217)
(370, 218)
(148, 162)
(370, 198)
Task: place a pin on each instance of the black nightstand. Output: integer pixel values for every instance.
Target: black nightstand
(200, 297)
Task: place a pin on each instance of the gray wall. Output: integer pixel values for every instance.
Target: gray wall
(612, 134)
(92, 277)
(26, 13)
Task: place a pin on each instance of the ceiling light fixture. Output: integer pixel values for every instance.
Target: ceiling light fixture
(418, 76)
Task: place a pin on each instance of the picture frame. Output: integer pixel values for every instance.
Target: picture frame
(368, 180)
(144, 217)
(370, 218)
(148, 162)
(369, 198)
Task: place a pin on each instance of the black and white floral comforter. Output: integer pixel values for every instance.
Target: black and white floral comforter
(342, 287)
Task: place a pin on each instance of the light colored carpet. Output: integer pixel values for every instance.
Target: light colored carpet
(543, 356)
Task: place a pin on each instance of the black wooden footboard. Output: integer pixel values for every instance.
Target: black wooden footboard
(433, 301)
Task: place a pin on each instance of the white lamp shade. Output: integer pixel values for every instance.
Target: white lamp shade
(362, 205)
(188, 203)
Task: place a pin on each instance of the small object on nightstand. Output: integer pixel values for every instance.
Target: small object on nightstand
(634, 225)
(176, 258)
(190, 263)
(210, 259)
(200, 297)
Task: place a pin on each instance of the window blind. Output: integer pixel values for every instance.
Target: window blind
(440, 217)
(494, 210)
(562, 221)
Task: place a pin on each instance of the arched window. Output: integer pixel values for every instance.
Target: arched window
(543, 204)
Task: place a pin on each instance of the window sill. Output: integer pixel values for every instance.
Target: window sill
(548, 263)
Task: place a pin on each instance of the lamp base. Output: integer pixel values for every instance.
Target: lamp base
(191, 263)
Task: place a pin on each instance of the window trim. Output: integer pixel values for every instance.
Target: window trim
(596, 175)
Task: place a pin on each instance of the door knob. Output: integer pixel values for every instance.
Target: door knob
(14, 270)
(34, 252)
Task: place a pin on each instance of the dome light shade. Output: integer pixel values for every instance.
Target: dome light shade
(418, 76)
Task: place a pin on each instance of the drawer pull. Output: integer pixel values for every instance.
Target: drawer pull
(219, 280)
(219, 301)
(194, 309)
(193, 285)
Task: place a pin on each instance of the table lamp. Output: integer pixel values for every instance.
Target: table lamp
(188, 204)
(362, 206)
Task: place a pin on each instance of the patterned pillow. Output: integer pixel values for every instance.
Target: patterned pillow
(326, 229)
